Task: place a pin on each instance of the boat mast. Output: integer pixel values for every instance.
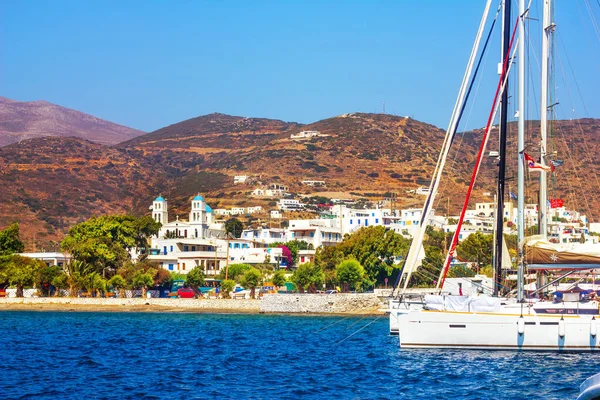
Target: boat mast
(520, 150)
(502, 150)
(546, 35)
(412, 259)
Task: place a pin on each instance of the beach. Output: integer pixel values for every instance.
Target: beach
(339, 304)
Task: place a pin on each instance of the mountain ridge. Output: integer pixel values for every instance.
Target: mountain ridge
(25, 120)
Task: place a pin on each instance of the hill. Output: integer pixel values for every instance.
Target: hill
(27, 120)
(363, 154)
(51, 183)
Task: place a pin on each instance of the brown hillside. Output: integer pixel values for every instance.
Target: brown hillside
(51, 183)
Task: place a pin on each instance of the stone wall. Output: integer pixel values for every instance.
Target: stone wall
(359, 303)
(341, 303)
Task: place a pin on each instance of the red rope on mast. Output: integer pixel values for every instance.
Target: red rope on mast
(479, 157)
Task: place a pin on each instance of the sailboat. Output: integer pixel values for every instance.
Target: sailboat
(479, 322)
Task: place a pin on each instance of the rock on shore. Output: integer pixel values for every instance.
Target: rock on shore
(339, 303)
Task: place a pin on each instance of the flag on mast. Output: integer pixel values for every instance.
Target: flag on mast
(532, 165)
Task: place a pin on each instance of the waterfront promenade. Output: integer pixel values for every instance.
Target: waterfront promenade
(359, 304)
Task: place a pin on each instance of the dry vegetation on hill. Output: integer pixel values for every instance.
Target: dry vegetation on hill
(50, 183)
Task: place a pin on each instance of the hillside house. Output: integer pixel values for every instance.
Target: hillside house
(313, 183)
(305, 135)
(289, 205)
(238, 179)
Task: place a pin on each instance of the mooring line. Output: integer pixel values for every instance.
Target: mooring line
(355, 332)
(333, 323)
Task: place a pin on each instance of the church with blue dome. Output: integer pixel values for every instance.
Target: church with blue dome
(200, 223)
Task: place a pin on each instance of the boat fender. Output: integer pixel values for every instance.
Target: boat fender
(521, 325)
(593, 327)
(561, 327)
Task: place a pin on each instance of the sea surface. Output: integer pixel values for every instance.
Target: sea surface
(210, 356)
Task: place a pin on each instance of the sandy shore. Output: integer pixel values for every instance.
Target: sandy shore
(152, 308)
(276, 305)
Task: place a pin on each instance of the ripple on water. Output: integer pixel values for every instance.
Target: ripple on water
(126, 355)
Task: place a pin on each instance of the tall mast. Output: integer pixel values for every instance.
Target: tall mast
(502, 150)
(521, 149)
(412, 259)
(547, 33)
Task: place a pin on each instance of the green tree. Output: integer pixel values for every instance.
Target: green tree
(10, 242)
(46, 276)
(278, 278)
(94, 282)
(145, 227)
(487, 271)
(460, 271)
(250, 280)
(328, 258)
(103, 242)
(142, 281)
(60, 282)
(118, 283)
(234, 271)
(76, 271)
(234, 226)
(227, 287)
(350, 274)
(375, 248)
(476, 248)
(195, 278)
(308, 276)
(22, 271)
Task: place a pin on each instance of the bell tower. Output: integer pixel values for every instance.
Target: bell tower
(160, 210)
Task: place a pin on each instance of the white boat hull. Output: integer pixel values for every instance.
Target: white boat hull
(497, 331)
(397, 308)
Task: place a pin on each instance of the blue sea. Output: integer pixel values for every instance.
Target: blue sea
(210, 356)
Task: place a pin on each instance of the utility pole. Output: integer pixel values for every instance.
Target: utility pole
(227, 259)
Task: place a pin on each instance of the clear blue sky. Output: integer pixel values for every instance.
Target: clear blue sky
(148, 64)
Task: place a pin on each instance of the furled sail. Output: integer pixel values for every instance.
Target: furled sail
(541, 254)
(506, 260)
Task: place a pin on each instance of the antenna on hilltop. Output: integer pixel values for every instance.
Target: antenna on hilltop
(384, 106)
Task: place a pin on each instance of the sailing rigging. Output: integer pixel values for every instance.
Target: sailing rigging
(494, 322)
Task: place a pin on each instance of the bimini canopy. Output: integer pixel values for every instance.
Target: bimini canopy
(541, 254)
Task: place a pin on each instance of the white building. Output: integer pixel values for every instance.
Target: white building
(289, 205)
(181, 245)
(275, 214)
(238, 211)
(313, 183)
(305, 135)
(239, 179)
(316, 232)
(266, 235)
(270, 192)
(50, 258)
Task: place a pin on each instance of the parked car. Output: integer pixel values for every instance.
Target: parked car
(331, 292)
(186, 293)
(241, 294)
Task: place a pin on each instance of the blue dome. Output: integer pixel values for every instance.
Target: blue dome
(208, 209)
(159, 198)
(199, 198)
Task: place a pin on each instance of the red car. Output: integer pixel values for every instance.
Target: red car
(186, 293)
